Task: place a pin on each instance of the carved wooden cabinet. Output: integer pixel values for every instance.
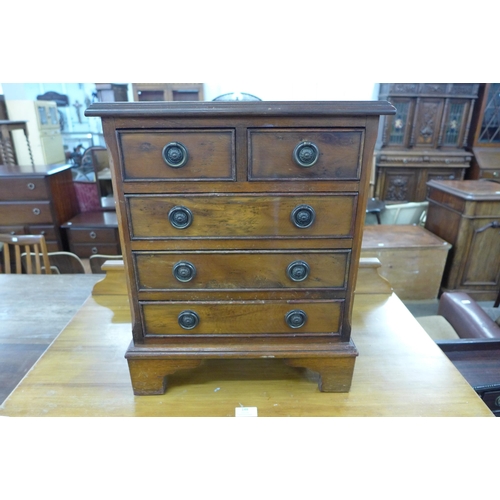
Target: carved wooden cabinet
(426, 138)
(467, 215)
(241, 227)
(37, 200)
(485, 134)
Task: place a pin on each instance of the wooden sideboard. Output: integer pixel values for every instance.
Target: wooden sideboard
(242, 227)
(37, 200)
(426, 138)
(467, 215)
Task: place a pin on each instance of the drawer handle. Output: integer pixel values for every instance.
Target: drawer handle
(298, 270)
(36, 211)
(92, 235)
(184, 271)
(175, 154)
(188, 320)
(94, 250)
(303, 216)
(496, 174)
(296, 318)
(31, 186)
(306, 154)
(180, 217)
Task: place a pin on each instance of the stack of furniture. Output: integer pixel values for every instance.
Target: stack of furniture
(425, 140)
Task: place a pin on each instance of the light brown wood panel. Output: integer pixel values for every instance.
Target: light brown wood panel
(241, 318)
(210, 154)
(226, 216)
(271, 154)
(235, 270)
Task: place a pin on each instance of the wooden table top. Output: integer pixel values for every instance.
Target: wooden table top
(400, 371)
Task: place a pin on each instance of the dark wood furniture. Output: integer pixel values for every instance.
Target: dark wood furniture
(37, 200)
(112, 92)
(242, 228)
(92, 233)
(425, 140)
(484, 137)
(478, 360)
(467, 215)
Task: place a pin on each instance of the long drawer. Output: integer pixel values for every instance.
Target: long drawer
(25, 188)
(86, 250)
(241, 270)
(34, 212)
(249, 216)
(242, 318)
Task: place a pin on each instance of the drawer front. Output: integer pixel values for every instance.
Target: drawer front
(242, 270)
(258, 216)
(49, 232)
(281, 154)
(490, 174)
(23, 189)
(93, 235)
(242, 318)
(85, 251)
(12, 230)
(209, 154)
(26, 213)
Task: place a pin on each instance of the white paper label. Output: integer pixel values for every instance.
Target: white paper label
(246, 411)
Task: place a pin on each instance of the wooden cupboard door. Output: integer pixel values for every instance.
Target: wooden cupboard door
(427, 124)
(482, 262)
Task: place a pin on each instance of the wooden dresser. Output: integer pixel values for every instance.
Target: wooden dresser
(37, 200)
(467, 215)
(92, 233)
(241, 227)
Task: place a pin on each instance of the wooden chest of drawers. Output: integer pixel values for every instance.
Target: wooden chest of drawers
(37, 200)
(92, 233)
(241, 227)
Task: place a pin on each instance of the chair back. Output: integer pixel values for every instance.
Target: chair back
(97, 260)
(34, 243)
(60, 263)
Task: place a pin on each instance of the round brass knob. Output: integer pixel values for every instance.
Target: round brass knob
(188, 320)
(180, 217)
(31, 186)
(92, 235)
(94, 250)
(296, 318)
(298, 270)
(184, 271)
(36, 211)
(175, 154)
(306, 154)
(303, 216)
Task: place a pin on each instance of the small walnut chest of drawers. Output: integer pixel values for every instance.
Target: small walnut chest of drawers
(241, 228)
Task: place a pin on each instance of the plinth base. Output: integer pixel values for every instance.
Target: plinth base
(149, 367)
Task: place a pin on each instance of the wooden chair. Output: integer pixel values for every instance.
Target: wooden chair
(28, 241)
(60, 263)
(97, 260)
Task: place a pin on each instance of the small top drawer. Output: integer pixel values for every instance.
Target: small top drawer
(23, 189)
(178, 155)
(317, 154)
